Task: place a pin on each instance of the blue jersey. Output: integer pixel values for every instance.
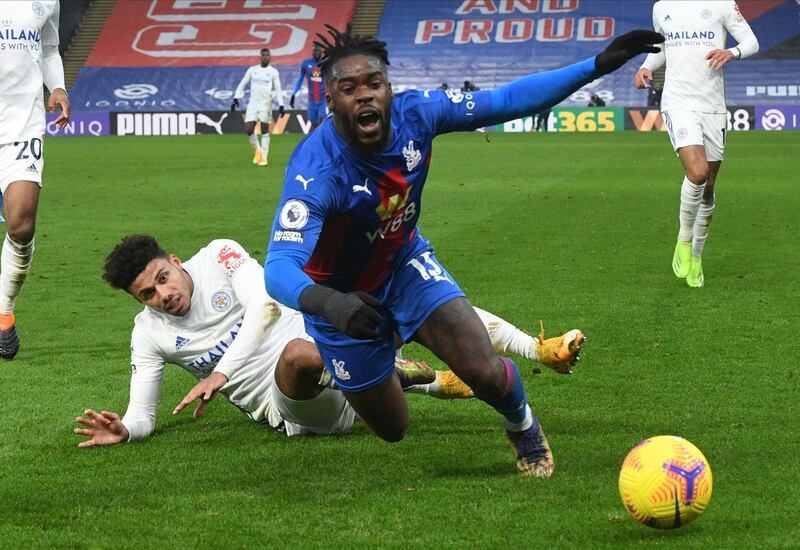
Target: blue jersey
(312, 72)
(347, 221)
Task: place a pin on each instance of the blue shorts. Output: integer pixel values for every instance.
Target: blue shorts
(417, 287)
(316, 111)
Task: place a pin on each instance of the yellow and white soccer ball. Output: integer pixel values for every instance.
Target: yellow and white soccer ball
(665, 482)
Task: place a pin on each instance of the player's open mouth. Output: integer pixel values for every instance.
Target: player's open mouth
(368, 121)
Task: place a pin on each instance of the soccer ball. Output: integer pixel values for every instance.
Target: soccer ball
(665, 482)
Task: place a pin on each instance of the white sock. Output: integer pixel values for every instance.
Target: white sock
(253, 139)
(265, 146)
(691, 196)
(701, 226)
(506, 338)
(522, 426)
(426, 389)
(15, 262)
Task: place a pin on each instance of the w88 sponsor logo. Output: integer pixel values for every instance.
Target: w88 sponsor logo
(394, 223)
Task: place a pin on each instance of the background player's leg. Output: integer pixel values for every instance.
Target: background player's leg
(266, 128)
(250, 128)
(695, 277)
(695, 166)
(20, 202)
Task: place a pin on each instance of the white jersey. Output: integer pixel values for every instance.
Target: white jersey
(264, 85)
(228, 288)
(28, 32)
(692, 29)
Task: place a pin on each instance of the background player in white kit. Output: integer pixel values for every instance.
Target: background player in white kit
(265, 84)
(28, 58)
(693, 108)
(212, 316)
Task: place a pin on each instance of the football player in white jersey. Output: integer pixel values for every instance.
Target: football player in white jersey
(212, 316)
(265, 84)
(28, 59)
(693, 108)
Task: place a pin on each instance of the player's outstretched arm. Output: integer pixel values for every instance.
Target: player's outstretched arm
(534, 93)
(103, 428)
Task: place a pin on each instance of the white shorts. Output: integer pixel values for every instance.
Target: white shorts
(258, 112)
(328, 413)
(694, 128)
(21, 161)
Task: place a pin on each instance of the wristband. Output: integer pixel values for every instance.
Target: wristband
(737, 53)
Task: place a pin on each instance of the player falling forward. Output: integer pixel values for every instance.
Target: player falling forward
(28, 59)
(265, 84)
(212, 316)
(346, 251)
(311, 71)
(693, 107)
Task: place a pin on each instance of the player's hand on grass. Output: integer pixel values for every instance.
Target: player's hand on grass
(291, 102)
(718, 58)
(643, 78)
(58, 98)
(234, 104)
(626, 47)
(104, 428)
(205, 390)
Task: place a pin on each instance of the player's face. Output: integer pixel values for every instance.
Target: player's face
(265, 57)
(316, 53)
(165, 286)
(360, 98)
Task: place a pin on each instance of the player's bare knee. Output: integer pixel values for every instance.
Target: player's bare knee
(22, 230)
(697, 173)
(393, 434)
(299, 370)
(489, 382)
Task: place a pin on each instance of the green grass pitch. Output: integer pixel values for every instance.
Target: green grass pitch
(576, 230)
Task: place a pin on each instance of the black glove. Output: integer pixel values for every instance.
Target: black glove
(626, 47)
(280, 111)
(356, 314)
(291, 102)
(234, 104)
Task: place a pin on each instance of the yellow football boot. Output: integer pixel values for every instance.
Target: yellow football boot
(562, 352)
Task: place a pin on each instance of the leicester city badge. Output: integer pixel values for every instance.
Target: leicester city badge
(221, 301)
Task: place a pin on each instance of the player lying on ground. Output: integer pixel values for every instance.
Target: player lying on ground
(345, 248)
(212, 316)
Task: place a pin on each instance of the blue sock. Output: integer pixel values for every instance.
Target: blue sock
(513, 404)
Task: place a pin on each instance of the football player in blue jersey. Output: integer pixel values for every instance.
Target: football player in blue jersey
(346, 251)
(311, 71)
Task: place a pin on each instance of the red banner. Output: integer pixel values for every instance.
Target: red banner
(147, 33)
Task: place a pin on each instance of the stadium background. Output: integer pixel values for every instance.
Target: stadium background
(166, 57)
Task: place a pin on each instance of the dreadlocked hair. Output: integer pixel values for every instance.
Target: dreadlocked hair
(344, 44)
